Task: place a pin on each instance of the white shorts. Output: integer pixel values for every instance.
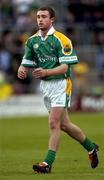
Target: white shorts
(56, 93)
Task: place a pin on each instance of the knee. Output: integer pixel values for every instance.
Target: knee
(64, 127)
(53, 124)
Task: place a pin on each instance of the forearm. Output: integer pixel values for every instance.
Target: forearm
(40, 72)
(57, 70)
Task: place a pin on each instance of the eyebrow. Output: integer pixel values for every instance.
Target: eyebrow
(43, 15)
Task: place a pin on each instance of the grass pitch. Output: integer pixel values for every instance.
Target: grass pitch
(24, 141)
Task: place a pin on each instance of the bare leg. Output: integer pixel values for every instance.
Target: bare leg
(71, 129)
(58, 120)
(55, 117)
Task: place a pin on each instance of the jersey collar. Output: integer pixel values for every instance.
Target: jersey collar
(50, 32)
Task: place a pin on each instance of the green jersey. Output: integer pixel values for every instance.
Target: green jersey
(49, 52)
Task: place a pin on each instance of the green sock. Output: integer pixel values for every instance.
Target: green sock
(88, 145)
(50, 157)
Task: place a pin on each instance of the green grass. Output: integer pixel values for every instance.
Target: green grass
(24, 141)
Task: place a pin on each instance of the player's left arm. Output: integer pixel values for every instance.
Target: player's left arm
(40, 72)
(67, 54)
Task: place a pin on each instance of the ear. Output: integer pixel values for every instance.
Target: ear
(52, 19)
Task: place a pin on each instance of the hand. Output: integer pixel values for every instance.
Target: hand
(22, 72)
(39, 72)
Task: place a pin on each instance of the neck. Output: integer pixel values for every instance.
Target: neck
(44, 31)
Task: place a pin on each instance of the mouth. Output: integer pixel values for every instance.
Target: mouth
(40, 24)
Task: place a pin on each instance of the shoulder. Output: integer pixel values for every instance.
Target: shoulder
(60, 35)
(33, 36)
(62, 38)
(31, 39)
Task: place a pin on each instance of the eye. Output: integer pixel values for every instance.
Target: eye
(44, 16)
(38, 17)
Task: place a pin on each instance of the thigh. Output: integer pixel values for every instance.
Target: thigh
(56, 93)
(45, 88)
(61, 96)
(65, 118)
(56, 114)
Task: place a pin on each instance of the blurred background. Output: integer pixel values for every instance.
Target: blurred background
(83, 22)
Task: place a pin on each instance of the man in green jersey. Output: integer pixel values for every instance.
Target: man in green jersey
(50, 54)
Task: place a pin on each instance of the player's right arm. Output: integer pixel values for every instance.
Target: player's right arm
(28, 60)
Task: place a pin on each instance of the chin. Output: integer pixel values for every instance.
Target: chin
(43, 29)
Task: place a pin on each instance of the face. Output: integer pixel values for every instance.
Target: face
(43, 20)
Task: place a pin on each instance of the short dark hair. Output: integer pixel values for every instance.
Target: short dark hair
(49, 9)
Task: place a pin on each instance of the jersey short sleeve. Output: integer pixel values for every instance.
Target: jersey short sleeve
(29, 59)
(66, 53)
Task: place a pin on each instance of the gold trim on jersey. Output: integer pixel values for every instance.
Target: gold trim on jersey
(65, 43)
(68, 86)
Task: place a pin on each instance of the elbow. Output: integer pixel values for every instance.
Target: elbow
(65, 68)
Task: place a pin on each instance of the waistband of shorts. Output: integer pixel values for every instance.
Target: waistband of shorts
(57, 79)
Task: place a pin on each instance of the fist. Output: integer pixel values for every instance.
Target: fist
(22, 72)
(39, 72)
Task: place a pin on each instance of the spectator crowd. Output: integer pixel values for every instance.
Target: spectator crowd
(83, 22)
